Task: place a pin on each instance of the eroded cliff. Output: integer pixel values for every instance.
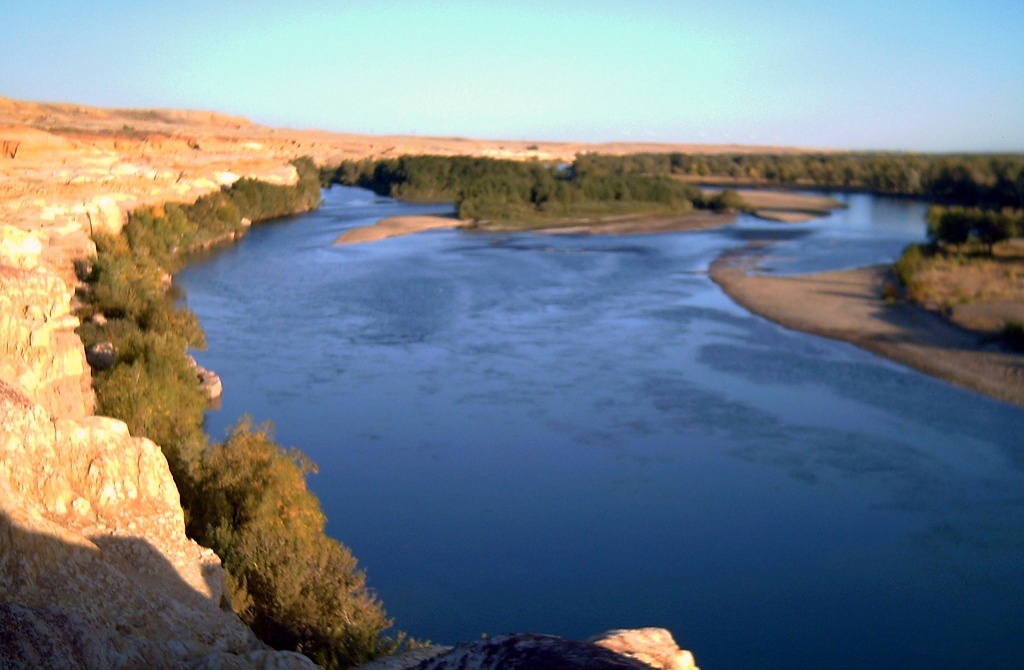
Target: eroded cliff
(95, 568)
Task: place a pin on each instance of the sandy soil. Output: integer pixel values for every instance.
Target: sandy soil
(848, 306)
(645, 225)
(396, 226)
(785, 216)
(407, 225)
(787, 207)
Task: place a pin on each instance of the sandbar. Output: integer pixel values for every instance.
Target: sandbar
(397, 226)
(644, 225)
(788, 207)
(848, 305)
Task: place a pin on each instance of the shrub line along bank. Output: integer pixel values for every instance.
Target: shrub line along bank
(245, 498)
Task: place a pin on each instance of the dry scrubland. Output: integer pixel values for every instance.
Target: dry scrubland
(975, 290)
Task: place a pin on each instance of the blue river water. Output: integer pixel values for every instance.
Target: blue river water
(566, 434)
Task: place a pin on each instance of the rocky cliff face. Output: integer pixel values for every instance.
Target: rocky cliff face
(93, 555)
(95, 567)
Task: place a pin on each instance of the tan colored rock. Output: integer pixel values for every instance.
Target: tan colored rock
(19, 248)
(654, 647)
(95, 568)
(104, 215)
(91, 527)
(39, 350)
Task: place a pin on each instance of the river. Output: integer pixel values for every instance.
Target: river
(566, 434)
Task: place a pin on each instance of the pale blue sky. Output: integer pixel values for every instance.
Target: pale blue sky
(926, 76)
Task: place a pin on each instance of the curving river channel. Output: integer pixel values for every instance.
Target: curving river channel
(566, 434)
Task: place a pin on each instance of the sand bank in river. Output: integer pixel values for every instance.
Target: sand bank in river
(632, 225)
(623, 225)
(848, 306)
(397, 226)
(786, 206)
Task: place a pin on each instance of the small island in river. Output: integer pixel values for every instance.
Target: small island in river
(774, 205)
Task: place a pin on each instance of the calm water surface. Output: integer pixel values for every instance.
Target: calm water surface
(570, 434)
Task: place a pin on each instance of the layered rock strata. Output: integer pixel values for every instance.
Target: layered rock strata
(95, 569)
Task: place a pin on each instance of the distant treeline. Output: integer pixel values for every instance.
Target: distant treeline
(598, 184)
(245, 498)
(525, 192)
(970, 180)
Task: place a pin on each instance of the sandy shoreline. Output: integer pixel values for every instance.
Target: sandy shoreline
(397, 226)
(643, 225)
(848, 305)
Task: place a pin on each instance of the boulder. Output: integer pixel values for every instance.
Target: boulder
(101, 356)
(653, 647)
(522, 651)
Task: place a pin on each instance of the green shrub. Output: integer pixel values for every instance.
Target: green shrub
(299, 588)
(725, 201)
(246, 498)
(908, 264)
(522, 192)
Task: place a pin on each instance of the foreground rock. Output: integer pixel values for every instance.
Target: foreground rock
(654, 647)
(95, 568)
(640, 649)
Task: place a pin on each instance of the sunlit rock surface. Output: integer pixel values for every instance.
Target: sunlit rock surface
(641, 649)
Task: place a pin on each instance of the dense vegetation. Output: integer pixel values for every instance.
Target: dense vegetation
(521, 192)
(970, 180)
(247, 497)
(597, 185)
(957, 225)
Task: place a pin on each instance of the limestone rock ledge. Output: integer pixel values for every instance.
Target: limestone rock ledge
(95, 568)
(91, 528)
(637, 649)
(40, 353)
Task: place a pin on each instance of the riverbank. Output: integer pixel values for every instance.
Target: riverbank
(848, 305)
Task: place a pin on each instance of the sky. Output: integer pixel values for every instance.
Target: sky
(889, 75)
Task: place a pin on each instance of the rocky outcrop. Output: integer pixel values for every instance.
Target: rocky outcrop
(641, 649)
(95, 568)
(654, 647)
(40, 354)
(91, 527)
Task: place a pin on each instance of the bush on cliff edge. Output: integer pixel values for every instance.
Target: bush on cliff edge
(296, 587)
(247, 497)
